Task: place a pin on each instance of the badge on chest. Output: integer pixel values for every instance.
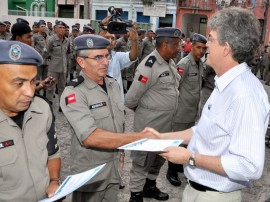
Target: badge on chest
(98, 105)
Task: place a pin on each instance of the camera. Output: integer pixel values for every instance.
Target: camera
(117, 25)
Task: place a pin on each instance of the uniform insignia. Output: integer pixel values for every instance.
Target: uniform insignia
(89, 43)
(143, 79)
(192, 74)
(151, 60)
(70, 99)
(76, 82)
(180, 70)
(98, 105)
(164, 74)
(15, 52)
(7, 143)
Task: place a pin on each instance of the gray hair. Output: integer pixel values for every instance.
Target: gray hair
(82, 53)
(240, 29)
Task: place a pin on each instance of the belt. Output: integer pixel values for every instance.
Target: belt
(200, 187)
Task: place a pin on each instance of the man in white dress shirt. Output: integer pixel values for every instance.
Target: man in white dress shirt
(226, 149)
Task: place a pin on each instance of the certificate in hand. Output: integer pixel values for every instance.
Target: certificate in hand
(73, 182)
(151, 145)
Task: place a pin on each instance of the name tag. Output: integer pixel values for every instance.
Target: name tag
(98, 105)
(7, 143)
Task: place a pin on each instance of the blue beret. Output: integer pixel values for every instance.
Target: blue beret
(75, 29)
(21, 20)
(41, 22)
(35, 23)
(90, 41)
(58, 22)
(199, 38)
(19, 53)
(168, 32)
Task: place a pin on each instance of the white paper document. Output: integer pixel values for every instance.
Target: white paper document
(73, 182)
(151, 145)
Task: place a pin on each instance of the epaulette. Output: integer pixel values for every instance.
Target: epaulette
(111, 77)
(75, 82)
(45, 99)
(150, 61)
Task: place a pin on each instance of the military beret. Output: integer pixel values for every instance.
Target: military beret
(90, 41)
(87, 27)
(19, 29)
(35, 23)
(58, 22)
(77, 23)
(2, 23)
(19, 53)
(168, 32)
(7, 22)
(141, 31)
(21, 20)
(150, 31)
(41, 22)
(67, 26)
(199, 38)
(75, 29)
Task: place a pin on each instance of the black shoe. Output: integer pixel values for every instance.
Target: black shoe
(136, 197)
(150, 190)
(173, 178)
(60, 110)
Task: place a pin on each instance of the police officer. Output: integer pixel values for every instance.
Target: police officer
(154, 95)
(72, 61)
(39, 41)
(29, 156)
(148, 44)
(3, 34)
(93, 106)
(190, 68)
(22, 32)
(57, 47)
(87, 29)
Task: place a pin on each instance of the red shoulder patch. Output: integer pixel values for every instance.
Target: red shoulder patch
(180, 70)
(143, 79)
(70, 99)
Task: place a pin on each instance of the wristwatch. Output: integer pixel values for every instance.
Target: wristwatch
(191, 160)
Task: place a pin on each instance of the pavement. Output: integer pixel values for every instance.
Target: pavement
(259, 190)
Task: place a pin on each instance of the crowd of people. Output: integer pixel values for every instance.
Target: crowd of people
(200, 90)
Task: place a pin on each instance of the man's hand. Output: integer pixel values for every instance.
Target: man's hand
(53, 186)
(177, 155)
(133, 33)
(150, 133)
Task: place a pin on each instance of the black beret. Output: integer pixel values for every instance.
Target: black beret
(35, 23)
(168, 32)
(199, 38)
(19, 28)
(77, 23)
(58, 22)
(21, 20)
(2, 23)
(19, 53)
(41, 22)
(7, 22)
(90, 41)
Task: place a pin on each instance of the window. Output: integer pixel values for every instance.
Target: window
(66, 11)
(142, 18)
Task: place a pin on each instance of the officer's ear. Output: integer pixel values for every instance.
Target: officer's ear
(80, 61)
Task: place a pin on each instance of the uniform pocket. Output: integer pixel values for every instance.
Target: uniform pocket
(100, 113)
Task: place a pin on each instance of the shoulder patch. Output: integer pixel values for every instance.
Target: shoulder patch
(150, 61)
(75, 82)
(180, 70)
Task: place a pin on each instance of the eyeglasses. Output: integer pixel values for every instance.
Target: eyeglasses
(99, 58)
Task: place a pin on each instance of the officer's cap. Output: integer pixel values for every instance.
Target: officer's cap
(7, 22)
(58, 22)
(19, 53)
(2, 23)
(87, 27)
(35, 24)
(168, 32)
(141, 31)
(75, 29)
(41, 22)
(90, 41)
(21, 20)
(199, 38)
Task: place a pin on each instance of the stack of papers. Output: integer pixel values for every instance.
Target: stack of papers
(73, 182)
(151, 145)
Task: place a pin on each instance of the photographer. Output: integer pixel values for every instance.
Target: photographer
(119, 60)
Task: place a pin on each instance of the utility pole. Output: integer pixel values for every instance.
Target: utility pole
(87, 9)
